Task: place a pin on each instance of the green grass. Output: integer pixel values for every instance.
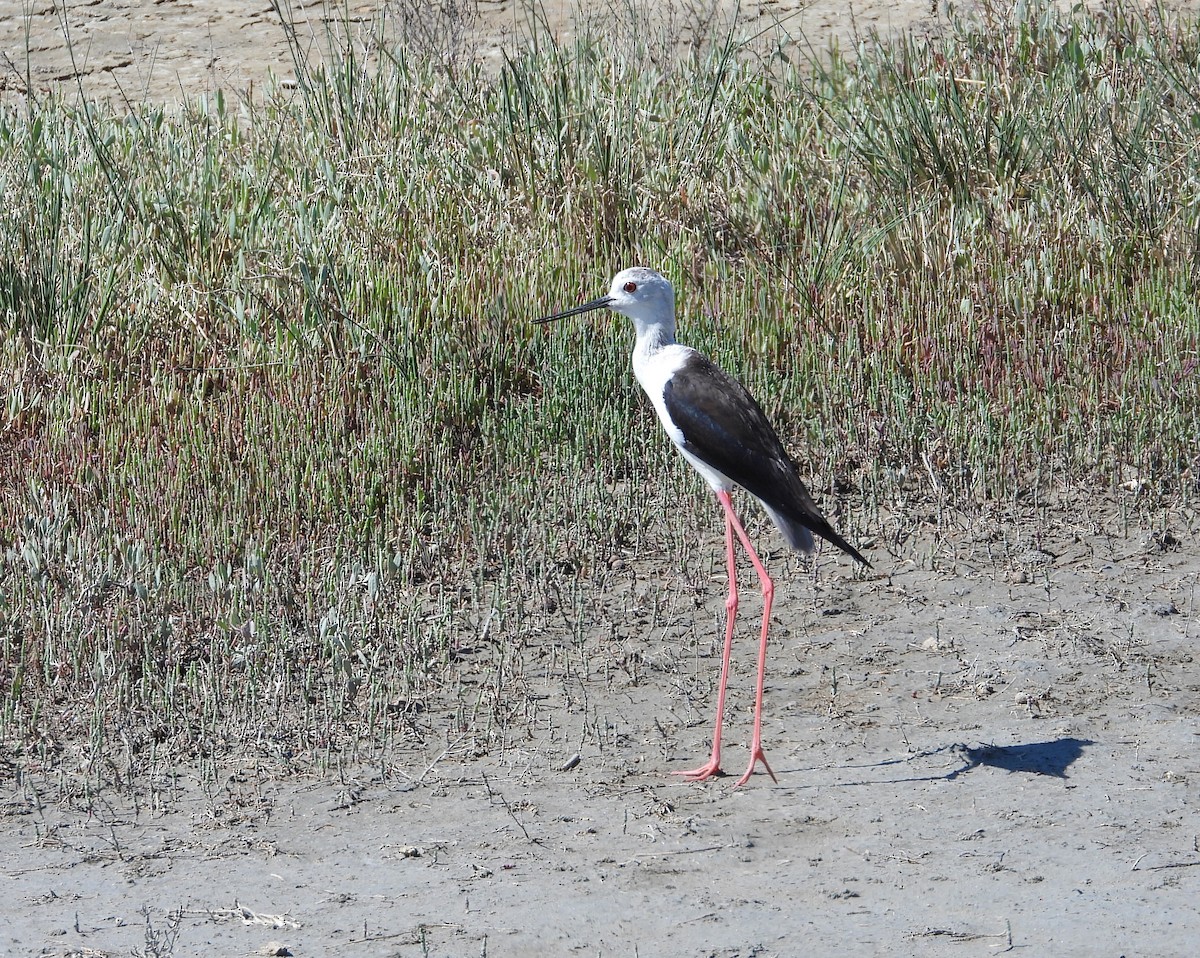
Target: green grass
(277, 437)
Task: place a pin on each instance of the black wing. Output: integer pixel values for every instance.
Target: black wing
(723, 426)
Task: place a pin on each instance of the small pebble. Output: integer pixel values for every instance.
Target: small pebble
(570, 763)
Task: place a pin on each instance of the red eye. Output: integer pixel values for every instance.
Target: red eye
(631, 287)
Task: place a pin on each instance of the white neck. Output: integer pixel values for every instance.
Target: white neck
(652, 336)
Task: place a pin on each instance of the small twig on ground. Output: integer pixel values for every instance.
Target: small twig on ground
(1137, 865)
(493, 794)
(420, 779)
(967, 935)
(247, 916)
(637, 859)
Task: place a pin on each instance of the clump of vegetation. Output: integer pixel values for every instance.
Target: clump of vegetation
(277, 438)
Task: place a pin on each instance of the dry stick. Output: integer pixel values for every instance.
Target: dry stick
(637, 859)
(1137, 865)
(420, 779)
(247, 916)
(493, 794)
(968, 936)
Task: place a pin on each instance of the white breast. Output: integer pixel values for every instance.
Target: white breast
(653, 367)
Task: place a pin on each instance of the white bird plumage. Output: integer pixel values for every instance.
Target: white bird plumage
(726, 437)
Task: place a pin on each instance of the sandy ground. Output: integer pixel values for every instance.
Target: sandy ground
(163, 49)
(987, 744)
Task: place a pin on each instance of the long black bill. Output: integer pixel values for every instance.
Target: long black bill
(576, 310)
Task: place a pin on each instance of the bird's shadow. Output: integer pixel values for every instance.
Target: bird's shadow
(1038, 758)
(1051, 758)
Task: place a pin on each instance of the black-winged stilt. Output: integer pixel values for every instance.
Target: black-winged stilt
(728, 439)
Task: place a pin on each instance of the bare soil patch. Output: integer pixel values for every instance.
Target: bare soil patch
(987, 745)
(172, 49)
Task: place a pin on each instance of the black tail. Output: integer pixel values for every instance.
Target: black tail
(799, 532)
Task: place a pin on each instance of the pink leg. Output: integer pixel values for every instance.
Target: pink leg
(713, 765)
(768, 594)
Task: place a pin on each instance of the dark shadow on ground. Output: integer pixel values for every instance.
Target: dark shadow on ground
(1039, 758)
(1051, 758)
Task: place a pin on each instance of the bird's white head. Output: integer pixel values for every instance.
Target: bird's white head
(642, 294)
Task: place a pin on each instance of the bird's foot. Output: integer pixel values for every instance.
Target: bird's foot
(756, 755)
(707, 770)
